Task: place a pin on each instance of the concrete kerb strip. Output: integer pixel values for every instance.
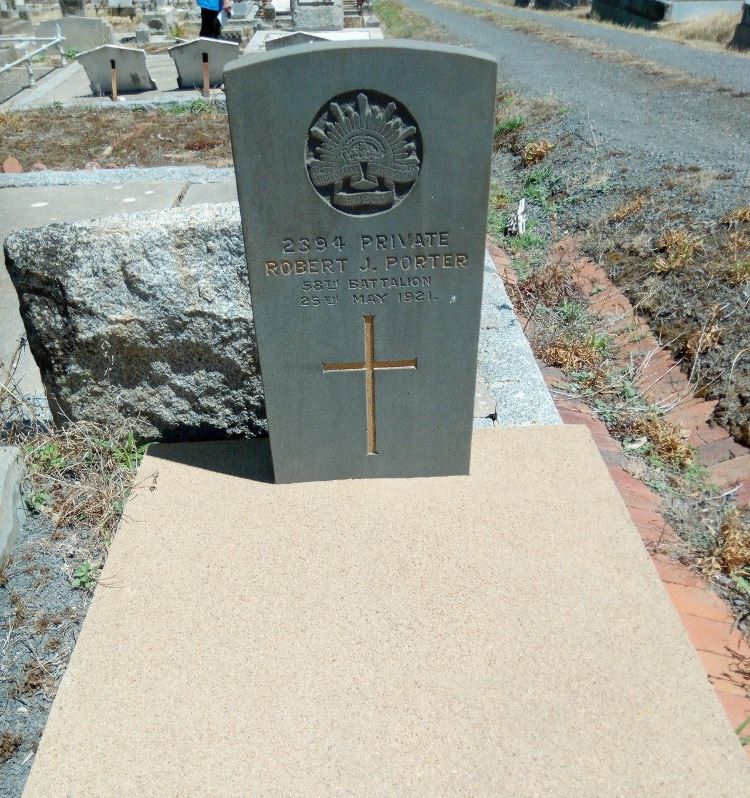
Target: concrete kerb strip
(12, 512)
(20, 103)
(49, 177)
(506, 361)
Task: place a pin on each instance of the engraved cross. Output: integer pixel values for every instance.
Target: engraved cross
(370, 365)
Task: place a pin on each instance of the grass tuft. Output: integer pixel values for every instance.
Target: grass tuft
(677, 249)
(731, 551)
(536, 151)
(630, 208)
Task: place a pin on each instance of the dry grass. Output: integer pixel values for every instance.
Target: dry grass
(536, 151)
(738, 216)
(550, 286)
(79, 474)
(574, 355)
(400, 23)
(630, 208)
(731, 553)
(9, 744)
(718, 28)
(666, 440)
(677, 248)
(196, 133)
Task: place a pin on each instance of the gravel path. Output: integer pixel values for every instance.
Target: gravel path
(730, 69)
(625, 106)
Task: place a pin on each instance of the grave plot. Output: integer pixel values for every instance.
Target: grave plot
(357, 368)
(360, 620)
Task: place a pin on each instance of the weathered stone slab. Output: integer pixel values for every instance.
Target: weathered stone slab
(317, 14)
(289, 39)
(498, 636)
(159, 21)
(188, 59)
(144, 317)
(73, 8)
(652, 13)
(365, 250)
(132, 72)
(81, 33)
(273, 39)
(12, 511)
(741, 37)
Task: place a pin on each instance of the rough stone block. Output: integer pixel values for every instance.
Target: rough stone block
(12, 511)
(144, 317)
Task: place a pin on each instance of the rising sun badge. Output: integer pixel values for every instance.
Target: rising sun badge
(363, 153)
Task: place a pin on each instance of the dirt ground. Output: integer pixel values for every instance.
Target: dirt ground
(189, 134)
(41, 614)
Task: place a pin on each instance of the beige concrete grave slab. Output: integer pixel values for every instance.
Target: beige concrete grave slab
(497, 635)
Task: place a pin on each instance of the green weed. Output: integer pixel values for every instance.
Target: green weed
(509, 125)
(84, 576)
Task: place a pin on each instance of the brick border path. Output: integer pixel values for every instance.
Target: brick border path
(708, 619)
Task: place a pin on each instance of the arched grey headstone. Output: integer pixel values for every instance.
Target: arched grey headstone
(364, 210)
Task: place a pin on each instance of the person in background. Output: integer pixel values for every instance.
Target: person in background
(213, 13)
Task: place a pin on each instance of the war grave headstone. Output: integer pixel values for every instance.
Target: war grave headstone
(364, 230)
(81, 33)
(190, 57)
(132, 73)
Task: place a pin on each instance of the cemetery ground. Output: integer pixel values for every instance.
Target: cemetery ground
(671, 235)
(194, 133)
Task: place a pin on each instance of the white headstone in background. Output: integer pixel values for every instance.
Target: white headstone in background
(132, 72)
(188, 58)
